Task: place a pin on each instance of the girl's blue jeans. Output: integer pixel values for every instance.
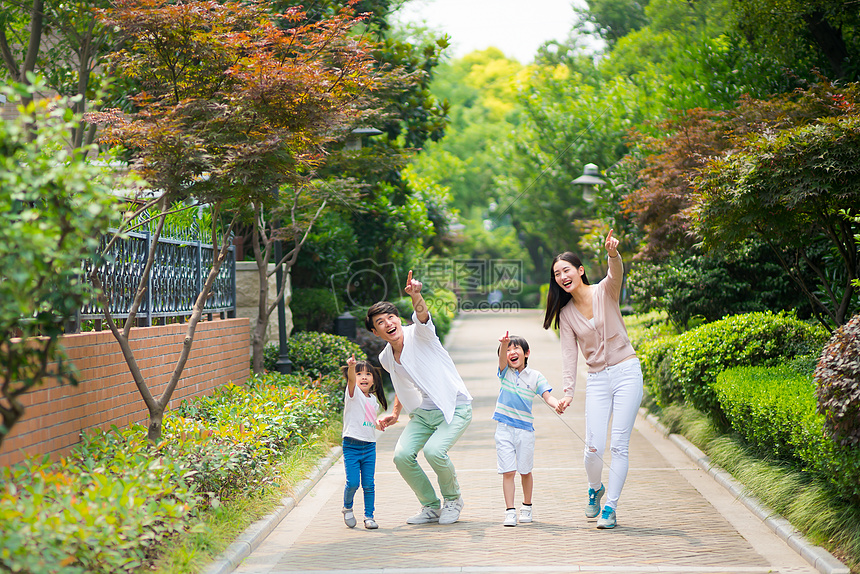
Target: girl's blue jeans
(359, 459)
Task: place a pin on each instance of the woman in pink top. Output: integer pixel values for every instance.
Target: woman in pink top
(589, 321)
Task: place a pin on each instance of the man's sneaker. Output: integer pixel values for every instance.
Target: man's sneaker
(592, 509)
(428, 514)
(607, 518)
(348, 517)
(370, 524)
(510, 517)
(451, 511)
(526, 514)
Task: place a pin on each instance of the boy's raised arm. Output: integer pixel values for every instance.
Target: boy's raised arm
(503, 351)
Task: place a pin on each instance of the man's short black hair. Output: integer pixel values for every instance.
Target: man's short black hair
(380, 308)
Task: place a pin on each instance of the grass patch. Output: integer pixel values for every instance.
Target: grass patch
(191, 553)
(810, 505)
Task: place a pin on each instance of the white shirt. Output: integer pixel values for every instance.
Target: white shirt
(359, 415)
(425, 369)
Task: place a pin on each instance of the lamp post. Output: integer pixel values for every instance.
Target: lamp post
(354, 141)
(345, 324)
(589, 178)
(284, 365)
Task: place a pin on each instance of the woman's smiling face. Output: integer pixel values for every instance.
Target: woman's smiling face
(568, 277)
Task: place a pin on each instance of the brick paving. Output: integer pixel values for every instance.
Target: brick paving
(670, 516)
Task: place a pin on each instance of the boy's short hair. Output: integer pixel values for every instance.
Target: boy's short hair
(519, 342)
(380, 308)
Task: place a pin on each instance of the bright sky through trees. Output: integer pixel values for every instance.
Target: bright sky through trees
(517, 28)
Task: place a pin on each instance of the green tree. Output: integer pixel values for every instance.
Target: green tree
(54, 207)
(791, 188)
(65, 43)
(227, 125)
(805, 34)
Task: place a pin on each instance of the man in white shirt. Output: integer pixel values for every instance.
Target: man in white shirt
(429, 388)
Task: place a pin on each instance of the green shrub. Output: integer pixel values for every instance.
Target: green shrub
(656, 357)
(108, 506)
(315, 309)
(708, 287)
(754, 339)
(775, 410)
(837, 379)
(314, 354)
(102, 510)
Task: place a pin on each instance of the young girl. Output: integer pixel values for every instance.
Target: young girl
(359, 435)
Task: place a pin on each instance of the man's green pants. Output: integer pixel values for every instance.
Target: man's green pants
(428, 430)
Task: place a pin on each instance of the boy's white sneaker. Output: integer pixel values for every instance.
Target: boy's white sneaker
(526, 514)
(451, 511)
(510, 517)
(427, 515)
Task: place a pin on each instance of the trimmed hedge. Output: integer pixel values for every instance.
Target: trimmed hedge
(775, 410)
(754, 339)
(656, 357)
(314, 354)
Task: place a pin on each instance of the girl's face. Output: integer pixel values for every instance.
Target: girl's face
(364, 380)
(568, 277)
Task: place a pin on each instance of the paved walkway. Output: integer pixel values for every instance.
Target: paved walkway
(672, 516)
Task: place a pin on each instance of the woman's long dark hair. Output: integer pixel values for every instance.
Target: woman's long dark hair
(376, 389)
(556, 297)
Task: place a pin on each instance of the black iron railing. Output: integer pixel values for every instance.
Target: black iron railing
(182, 263)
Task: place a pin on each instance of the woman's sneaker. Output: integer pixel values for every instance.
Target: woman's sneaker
(348, 517)
(370, 524)
(428, 514)
(592, 509)
(607, 518)
(510, 517)
(525, 514)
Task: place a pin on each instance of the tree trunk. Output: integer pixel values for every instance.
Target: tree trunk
(829, 40)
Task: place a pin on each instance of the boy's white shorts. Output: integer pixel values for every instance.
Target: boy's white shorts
(515, 449)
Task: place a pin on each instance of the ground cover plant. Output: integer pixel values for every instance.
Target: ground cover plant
(117, 499)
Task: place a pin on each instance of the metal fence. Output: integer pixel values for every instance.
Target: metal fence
(182, 263)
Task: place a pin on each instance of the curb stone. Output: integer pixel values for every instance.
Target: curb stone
(818, 557)
(257, 532)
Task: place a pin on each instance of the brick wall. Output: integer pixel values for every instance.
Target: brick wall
(56, 415)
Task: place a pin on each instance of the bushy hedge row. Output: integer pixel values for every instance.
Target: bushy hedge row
(754, 339)
(314, 354)
(776, 411)
(106, 507)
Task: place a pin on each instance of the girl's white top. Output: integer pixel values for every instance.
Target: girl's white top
(359, 415)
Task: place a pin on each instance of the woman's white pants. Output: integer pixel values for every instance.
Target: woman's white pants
(615, 393)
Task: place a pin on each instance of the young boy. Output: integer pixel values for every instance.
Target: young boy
(515, 431)
(429, 388)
